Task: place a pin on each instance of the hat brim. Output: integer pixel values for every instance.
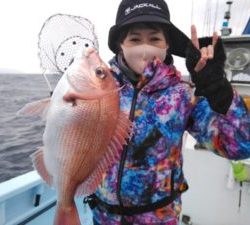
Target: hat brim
(178, 40)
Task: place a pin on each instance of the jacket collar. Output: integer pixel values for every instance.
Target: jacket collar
(158, 76)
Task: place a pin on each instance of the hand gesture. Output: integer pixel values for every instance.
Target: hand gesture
(205, 59)
(207, 52)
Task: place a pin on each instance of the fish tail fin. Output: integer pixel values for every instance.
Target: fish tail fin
(67, 216)
(38, 162)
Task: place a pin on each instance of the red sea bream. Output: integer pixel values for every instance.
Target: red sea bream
(84, 134)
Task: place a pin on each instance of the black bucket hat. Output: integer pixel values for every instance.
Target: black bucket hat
(134, 11)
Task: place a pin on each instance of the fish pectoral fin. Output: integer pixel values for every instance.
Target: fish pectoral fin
(123, 131)
(37, 108)
(38, 162)
(112, 155)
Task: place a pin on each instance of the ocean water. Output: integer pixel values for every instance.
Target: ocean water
(20, 136)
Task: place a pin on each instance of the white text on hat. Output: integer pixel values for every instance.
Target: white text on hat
(142, 5)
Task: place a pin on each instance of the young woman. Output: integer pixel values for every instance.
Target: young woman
(145, 186)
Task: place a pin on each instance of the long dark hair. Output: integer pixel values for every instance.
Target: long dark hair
(145, 25)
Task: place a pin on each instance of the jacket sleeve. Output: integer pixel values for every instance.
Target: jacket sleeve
(227, 135)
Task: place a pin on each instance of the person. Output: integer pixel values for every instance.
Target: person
(145, 186)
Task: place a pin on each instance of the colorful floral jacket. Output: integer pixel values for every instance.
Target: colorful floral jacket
(163, 111)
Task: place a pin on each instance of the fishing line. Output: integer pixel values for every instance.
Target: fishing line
(192, 12)
(47, 82)
(205, 22)
(239, 18)
(209, 18)
(245, 16)
(216, 14)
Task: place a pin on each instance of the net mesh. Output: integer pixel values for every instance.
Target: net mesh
(61, 37)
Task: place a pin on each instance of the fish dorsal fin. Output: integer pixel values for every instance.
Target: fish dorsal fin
(120, 138)
(37, 108)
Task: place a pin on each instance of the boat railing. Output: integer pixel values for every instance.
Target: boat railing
(27, 200)
(24, 198)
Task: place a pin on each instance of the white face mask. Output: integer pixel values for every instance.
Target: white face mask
(138, 57)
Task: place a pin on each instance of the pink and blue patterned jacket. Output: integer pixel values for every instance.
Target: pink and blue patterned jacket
(163, 111)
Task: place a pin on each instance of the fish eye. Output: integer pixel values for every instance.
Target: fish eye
(99, 71)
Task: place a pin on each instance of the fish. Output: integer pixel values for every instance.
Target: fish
(85, 132)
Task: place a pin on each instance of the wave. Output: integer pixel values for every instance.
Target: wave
(20, 136)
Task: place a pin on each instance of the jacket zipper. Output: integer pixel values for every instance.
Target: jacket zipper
(125, 151)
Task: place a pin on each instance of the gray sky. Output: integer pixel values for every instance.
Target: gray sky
(21, 21)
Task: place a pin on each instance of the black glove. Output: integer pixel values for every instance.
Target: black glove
(210, 82)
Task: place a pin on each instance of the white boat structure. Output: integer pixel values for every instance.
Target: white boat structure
(26, 199)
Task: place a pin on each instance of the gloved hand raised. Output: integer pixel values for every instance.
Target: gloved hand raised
(205, 58)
